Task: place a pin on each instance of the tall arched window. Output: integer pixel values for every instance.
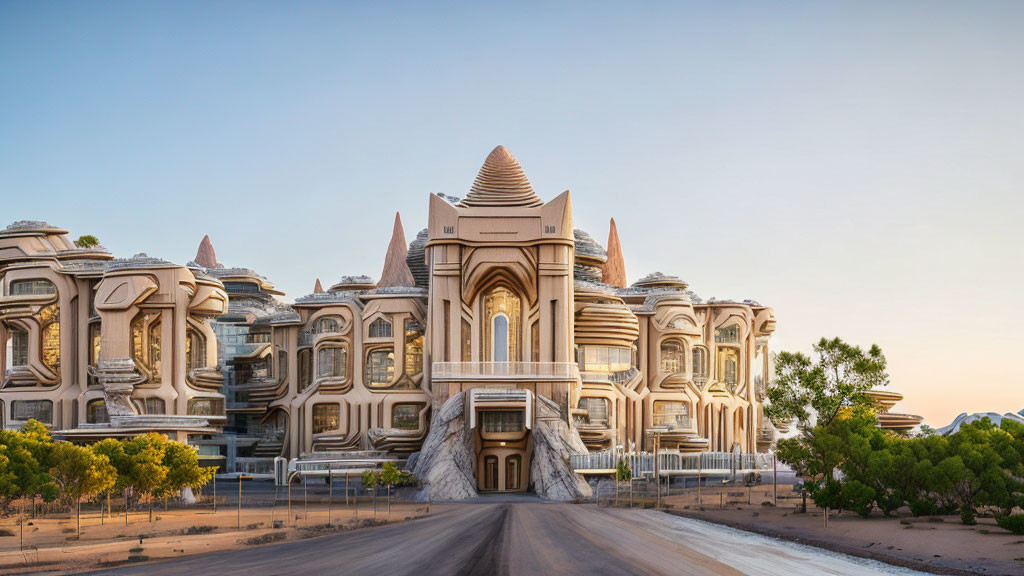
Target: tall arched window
(49, 321)
(499, 338)
(728, 366)
(146, 333)
(305, 368)
(700, 363)
(413, 347)
(672, 354)
(502, 311)
(195, 350)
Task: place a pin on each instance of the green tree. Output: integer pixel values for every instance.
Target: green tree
(389, 476)
(814, 392)
(87, 241)
(80, 473)
(183, 469)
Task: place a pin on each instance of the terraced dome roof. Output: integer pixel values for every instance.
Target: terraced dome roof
(501, 182)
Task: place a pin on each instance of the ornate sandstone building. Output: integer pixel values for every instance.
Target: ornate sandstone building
(523, 328)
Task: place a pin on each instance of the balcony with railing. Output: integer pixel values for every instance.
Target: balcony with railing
(505, 371)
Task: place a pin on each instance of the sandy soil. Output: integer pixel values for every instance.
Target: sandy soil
(51, 545)
(941, 545)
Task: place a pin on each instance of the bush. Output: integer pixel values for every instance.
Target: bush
(967, 516)
(858, 497)
(1014, 523)
(924, 507)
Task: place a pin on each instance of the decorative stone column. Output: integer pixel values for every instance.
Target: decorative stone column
(118, 377)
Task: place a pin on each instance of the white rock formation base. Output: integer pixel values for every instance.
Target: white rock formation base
(444, 465)
(553, 442)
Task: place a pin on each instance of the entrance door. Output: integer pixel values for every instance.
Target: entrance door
(490, 473)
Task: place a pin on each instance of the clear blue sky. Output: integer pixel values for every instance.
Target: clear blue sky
(857, 166)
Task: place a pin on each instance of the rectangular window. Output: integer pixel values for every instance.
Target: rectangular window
(19, 348)
(406, 416)
(447, 329)
(504, 421)
(728, 335)
(332, 363)
(413, 347)
(206, 407)
(380, 367)
(326, 417)
(597, 410)
(41, 410)
(467, 342)
(672, 414)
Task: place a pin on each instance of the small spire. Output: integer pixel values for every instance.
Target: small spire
(396, 271)
(613, 272)
(318, 289)
(206, 257)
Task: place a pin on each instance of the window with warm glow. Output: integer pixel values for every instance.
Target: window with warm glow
(326, 417)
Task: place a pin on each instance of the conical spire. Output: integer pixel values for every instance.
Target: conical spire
(613, 272)
(206, 257)
(318, 289)
(501, 182)
(396, 271)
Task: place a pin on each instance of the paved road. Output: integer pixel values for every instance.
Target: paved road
(529, 538)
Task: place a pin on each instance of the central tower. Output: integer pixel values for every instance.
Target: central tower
(501, 308)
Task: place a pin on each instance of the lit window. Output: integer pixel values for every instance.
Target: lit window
(380, 367)
(671, 414)
(728, 366)
(380, 328)
(413, 347)
(672, 354)
(96, 412)
(146, 336)
(49, 320)
(606, 359)
(502, 311)
(406, 416)
(326, 417)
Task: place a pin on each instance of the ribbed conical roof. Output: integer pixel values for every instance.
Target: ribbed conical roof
(396, 271)
(501, 182)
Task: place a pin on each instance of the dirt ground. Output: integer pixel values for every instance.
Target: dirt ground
(940, 544)
(51, 545)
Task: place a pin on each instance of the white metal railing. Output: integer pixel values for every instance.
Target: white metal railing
(642, 463)
(504, 370)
